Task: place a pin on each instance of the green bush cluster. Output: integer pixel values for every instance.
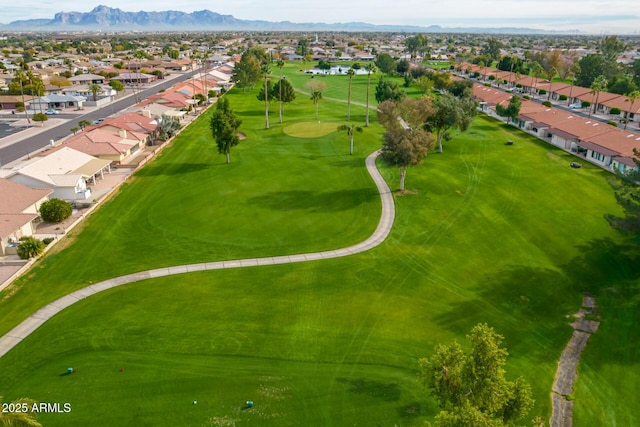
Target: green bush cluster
(55, 210)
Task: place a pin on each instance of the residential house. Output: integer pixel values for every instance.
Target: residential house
(18, 211)
(57, 101)
(136, 78)
(86, 79)
(118, 139)
(169, 98)
(65, 171)
(10, 102)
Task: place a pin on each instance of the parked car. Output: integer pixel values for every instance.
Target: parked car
(51, 112)
(98, 121)
(578, 105)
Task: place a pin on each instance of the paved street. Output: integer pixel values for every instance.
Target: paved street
(28, 141)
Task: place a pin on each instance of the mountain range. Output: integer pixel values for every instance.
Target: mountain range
(104, 18)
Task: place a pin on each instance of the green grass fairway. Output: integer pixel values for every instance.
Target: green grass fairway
(311, 129)
(279, 195)
(508, 235)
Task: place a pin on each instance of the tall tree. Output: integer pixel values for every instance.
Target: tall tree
(591, 66)
(371, 69)
(512, 110)
(284, 92)
(351, 130)
(610, 48)
(492, 49)
(405, 142)
(385, 63)
(388, 90)
(224, 126)
(472, 388)
(246, 72)
(631, 98)
(16, 87)
(536, 71)
(350, 73)
(598, 85)
(571, 73)
(451, 113)
(316, 88)
(280, 65)
(265, 70)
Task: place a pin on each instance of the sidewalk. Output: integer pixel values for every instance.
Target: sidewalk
(387, 216)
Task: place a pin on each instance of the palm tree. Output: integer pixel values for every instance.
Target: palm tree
(631, 97)
(95, 88)
(371, 69)
(280, 65)
(536, 70)
(316, 96)
(83, 123)
(573, 70)
(351, 129)
(550, 75)
(36, 86)
(19, 75)
(350, 73)
(599, 84)
(25, 418)
(482, 66)
(265, 70)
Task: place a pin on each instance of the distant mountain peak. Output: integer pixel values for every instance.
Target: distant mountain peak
(103, 17)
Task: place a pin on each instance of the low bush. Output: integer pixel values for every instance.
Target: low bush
(547, 104)
(615, 111)
(47, 240)
(562, 97)
(586, 104)
(612, 123)
(526, 97)
(542, 92)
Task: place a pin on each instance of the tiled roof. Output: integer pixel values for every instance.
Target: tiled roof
(16, 198)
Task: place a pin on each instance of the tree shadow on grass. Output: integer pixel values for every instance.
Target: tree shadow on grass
(331, 201)
(172, 169)
(533, 306)
(388, 392)
(525, 304)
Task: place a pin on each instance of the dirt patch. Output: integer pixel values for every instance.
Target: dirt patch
(242, 136)
(404, 193)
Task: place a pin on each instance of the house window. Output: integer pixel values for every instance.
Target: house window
(597, 156)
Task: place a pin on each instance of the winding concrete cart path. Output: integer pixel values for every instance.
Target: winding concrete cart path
(33, 322)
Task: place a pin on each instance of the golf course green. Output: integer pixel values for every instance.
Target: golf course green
(507, 235)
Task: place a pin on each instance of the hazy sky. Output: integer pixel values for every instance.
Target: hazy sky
(595, 16)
